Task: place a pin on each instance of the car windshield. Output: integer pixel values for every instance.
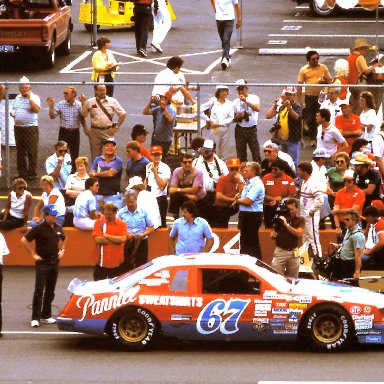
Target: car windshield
(261, 264)
(130, 273)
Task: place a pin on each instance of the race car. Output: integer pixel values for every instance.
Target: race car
(222, 297)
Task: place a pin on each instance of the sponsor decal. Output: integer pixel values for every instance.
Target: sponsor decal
(363, 317)
(281, 305)
(280, 311)
(260, 320)
(259, 327)
(291, 326)
(180, 317)
(355, 310)
(367, 310)
(283, 317)
(96, 307)
(177, 301)
(284, 332)
(164, 274)
(274, 295)
(300, 299)
(153, 282)
(276, 323)
(262, 301)
(363, 324)
(298, 306)
(261, 313)
(373, 339)
(293, 317)
(299, 311)
(263, 307)
(221, 315)
(371, 332)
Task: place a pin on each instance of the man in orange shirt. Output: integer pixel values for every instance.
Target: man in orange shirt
(348, 123)
(139, 134)
(347, 198)
(110, 234)
(278, 186)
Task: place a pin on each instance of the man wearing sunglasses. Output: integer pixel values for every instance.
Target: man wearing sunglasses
(59, 165)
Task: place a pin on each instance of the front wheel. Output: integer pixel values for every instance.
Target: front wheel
(327, 328)
(135, 328)
(321, 8)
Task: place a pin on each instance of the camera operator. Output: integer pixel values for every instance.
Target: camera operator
(348, 264)
(288, 229)
(246, 108)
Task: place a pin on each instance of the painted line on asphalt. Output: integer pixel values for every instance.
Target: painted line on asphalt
(331, 21)
(318, 35)
(39, 333)
(76, 61)
(303, 51)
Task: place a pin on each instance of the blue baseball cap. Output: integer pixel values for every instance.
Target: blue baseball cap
(50, 209)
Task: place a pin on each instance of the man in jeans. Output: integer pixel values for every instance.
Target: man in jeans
(225, 19)
(287, 233)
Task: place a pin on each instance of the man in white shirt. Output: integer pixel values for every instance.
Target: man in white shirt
(212, 167)
(225, 20)
(246, 109)
(332, 103)
(378, 150)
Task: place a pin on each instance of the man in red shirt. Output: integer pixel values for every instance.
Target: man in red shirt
(278, 185)
(347, 198)
(348, 123)
(110, 234)
(139, 134)
(226, 189)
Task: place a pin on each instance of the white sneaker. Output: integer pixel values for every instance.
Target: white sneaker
(224, 64)
(157, 47)
(35, 323)
(50, 320)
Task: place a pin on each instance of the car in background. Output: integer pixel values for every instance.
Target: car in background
(222, 297)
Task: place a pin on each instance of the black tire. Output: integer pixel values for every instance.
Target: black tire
(321, 10)
(89, 27)
(327, 327)
(50, 55)
(65, 48)
(136, 328)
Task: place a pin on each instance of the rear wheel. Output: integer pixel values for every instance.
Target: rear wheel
(135, 328)
(50, 55)
(327, 328)
(65, 48)
(321, 8)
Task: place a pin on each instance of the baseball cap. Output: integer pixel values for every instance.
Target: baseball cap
(109, 141)
(241, 83)
(321, 152)
(221, 86)
(167, 95)
(24, 80)
(343, 102)
(208, 145)
(349, 174)
(50, 209)
(233, 163)
(133, 181)
(290, 90)
(360, 158)
(156, 149)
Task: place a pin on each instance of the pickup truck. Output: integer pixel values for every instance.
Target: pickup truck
(36, 28)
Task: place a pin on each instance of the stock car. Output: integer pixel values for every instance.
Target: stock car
(222, 297)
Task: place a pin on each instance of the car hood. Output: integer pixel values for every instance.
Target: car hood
(333, 291)
(84, 287)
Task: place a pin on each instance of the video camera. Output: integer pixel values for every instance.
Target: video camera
(281, 210)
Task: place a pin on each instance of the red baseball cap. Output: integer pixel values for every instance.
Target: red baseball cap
(156, 149)
(233, 163)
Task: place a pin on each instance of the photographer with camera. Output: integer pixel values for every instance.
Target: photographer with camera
(288, 229)
(287, 130)
(246, 108)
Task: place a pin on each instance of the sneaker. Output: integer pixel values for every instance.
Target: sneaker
(35, 323)
(143, 53)
(157, 47)
(50, 320)
(224, 64)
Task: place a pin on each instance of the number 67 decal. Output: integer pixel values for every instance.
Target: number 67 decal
(221, 314)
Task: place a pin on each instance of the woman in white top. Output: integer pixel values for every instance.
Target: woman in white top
(221, 116)
(161, 23)
(19, 202)
(50, 195)
(368, 117)
(76, 181)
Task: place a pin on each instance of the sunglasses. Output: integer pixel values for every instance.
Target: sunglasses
(187, 162)
(234, 169)
(156, 154)
(267, 151)
(346, 220)
(339, 161)
(66, 93)
(62, 150)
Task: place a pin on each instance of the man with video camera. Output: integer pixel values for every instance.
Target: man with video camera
(288, 228)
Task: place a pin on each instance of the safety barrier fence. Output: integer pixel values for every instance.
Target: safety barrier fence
(133, 96)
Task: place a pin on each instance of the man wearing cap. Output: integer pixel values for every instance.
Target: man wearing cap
(187, 183)
(50, 240)
(25, 110)
(110, 234)
(287, 130)
(139, 134)
(246, 109)
(157, 178)
(312, 73)
(228, 186)
(347, 198)
(271, 153)
(59, 165)
(366, 178)
(136, 163)
(212, 167)
(139, 224)
(108, 168)
(164, 119)
(359, 70)
(278, 186)
(101, 109)
(328, 136)
(225, 19)
(348, 123)
(71, 117)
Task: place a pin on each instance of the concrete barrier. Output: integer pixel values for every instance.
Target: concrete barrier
(80, 245)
